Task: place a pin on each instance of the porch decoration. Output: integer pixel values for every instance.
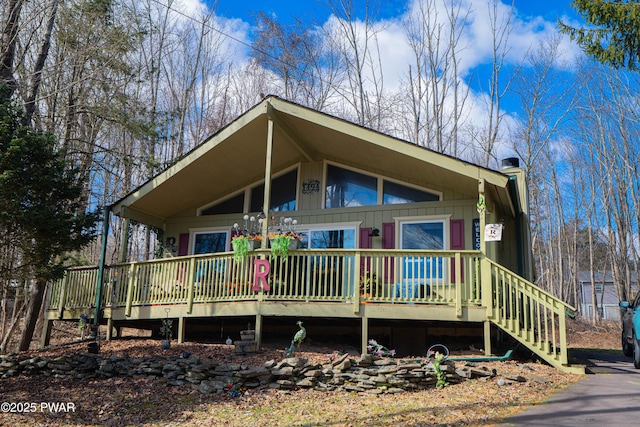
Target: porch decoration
(165, 330)
(240, 247)
(247, 343)
(379, 350)
(368, 282)
(280, 245)
(438, 359)
(297, 339)
(82, 324)
(246, 239)
(283, 238)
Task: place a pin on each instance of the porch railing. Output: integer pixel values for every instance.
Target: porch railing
(529, 314)
(451, 278)
(340, 275)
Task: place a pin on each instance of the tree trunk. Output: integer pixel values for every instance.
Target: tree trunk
(7, 337)
(8, 47)
(37, 296)
(30, 101)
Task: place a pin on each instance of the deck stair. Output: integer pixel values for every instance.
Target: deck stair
(532, 316)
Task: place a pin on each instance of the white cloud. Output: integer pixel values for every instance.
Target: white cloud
(475, 47)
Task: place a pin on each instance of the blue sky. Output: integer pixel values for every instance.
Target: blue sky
(309, 10)
(532, 23)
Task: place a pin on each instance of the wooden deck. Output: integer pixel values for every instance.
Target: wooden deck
(456, 286)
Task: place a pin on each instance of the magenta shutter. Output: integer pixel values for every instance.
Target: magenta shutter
(183, 244)
(456, 242)
(388, 235)
(365, 243)
(365, 238)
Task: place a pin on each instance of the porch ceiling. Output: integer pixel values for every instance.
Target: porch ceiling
(236, 157)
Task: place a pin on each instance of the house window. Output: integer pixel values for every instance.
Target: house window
(232, 205)
(394, 194)
(346, 188)
(283, 197)
(205, 242)
(331, 239)
(599, 288)
(423, 234)
(332, 271)
(283, 193)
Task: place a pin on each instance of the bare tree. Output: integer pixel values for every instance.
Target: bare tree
(436, 94)
(356, 41)
(608, 123)
(305, 66)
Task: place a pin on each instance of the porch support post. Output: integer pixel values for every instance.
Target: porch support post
(356, 284)
(267, 184)
(482, 208)
(109, 329)
(63, 295)
(487, 338)
(46, 332)
(124, 240)
(191, 277)
(103, 253)
(258, 329)
(181, 329)
(365, 335)
(485, 267)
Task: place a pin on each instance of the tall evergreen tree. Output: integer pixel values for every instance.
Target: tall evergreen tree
(41, 211)
(612, 31)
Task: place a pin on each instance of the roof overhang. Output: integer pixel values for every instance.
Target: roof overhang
(236, 157)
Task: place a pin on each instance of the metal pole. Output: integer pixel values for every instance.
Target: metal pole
(103, 254)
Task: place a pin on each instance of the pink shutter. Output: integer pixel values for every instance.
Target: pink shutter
(365, 238)
(389, 242)
(183, 244)
(365, 243)
(456, 243)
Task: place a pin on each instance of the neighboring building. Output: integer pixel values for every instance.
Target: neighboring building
(606, 295)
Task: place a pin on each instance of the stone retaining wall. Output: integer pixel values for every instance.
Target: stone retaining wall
(366, 374)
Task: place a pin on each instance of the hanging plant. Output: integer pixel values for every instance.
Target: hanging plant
(280, 245)
(240, 247)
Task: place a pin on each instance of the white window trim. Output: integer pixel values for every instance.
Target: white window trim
(205, 230)
(444, 219)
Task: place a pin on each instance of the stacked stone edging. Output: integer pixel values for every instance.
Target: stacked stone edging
(365, 374)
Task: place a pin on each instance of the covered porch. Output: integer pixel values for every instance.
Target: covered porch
(456, 286)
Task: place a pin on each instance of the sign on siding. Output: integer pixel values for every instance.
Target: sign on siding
(476, 234)
(493, 232)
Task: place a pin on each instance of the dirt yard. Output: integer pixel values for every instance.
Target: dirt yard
(146, 401)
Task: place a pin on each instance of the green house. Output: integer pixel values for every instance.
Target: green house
(391, 239)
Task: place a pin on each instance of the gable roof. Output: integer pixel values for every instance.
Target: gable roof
(236, 156)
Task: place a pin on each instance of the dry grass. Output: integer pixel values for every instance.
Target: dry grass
(149, 402)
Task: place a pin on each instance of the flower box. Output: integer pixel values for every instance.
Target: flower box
(293, 244)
